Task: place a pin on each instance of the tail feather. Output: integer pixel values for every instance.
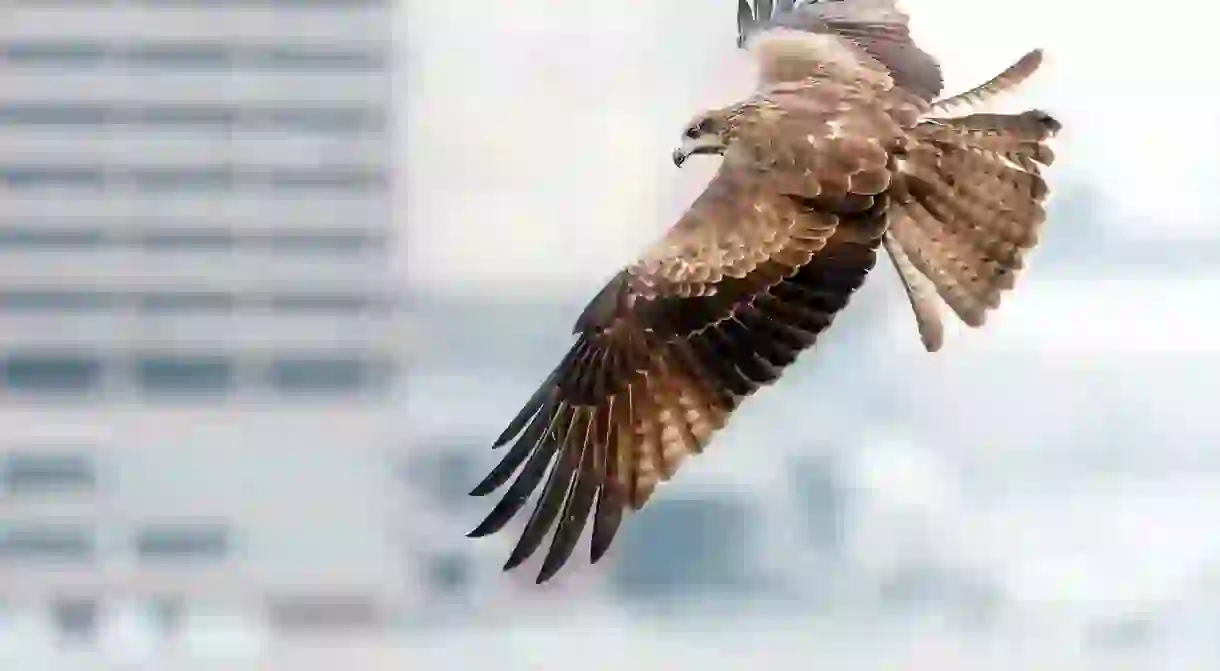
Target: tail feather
(973, 204)
(978, 194)
(920, 292)
(1021, 138)
(941, 260)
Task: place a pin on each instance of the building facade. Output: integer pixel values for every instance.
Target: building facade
(199, 324)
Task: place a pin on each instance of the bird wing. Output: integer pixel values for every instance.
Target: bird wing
(746, 279)
(876, 31)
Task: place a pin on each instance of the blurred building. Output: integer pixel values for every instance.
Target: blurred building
(198, 322)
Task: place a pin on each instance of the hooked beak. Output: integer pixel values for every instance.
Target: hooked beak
(683, 153)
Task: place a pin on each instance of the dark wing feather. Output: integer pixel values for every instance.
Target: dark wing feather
(742, 284)
(745, 22)
(912, 68)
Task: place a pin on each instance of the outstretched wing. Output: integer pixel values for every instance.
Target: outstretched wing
(876, 30)
(744, 282)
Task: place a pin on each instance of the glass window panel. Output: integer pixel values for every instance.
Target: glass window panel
(52, 373)
(178, 374)
(32, 473)
(46, 543)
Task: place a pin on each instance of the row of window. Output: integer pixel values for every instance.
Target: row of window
(194, 54)
(210, 375)
(21, 237)
(67, 542)
(280, 4)
(202, 58)
(193, 302)
(309, 118)
(191, 178)
(78, 618)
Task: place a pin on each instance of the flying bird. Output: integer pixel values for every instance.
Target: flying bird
(844, 149)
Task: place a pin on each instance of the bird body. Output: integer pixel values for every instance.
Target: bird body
(837, 155)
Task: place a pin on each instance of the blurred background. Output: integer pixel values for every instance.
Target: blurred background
(274, 273)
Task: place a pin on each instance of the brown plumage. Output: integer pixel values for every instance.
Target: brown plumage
(831, 157)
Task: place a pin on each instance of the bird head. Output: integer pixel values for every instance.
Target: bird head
(707, 133)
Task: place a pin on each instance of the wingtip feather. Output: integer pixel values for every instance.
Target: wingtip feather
(482, 489)
(549, 570)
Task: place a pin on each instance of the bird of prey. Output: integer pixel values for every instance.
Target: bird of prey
(843, 149)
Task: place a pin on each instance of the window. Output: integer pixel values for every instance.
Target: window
(187, 301)
(61, 3)
(178, 543)
(53, 114)
(52, 373)
(38, 300)
(200, 116)
(344, 179)
(181, 55)
(322, 374)
(24, 238)
(287, 4)
(315, 612)
(35, 176)
(31, 473)
(337, 303)
(74, 54)
(183, 115)
(194, 241)
(59, 543)
(67, 54)
(312, 58)
(206, 178)
(166, 374)
(76, 618)
(318, 119)
(318, 242)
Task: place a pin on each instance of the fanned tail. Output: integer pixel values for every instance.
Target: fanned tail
(971, 202)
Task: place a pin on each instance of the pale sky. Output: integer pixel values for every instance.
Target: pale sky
(538, 132)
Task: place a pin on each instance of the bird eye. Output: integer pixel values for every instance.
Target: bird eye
(692, 132)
